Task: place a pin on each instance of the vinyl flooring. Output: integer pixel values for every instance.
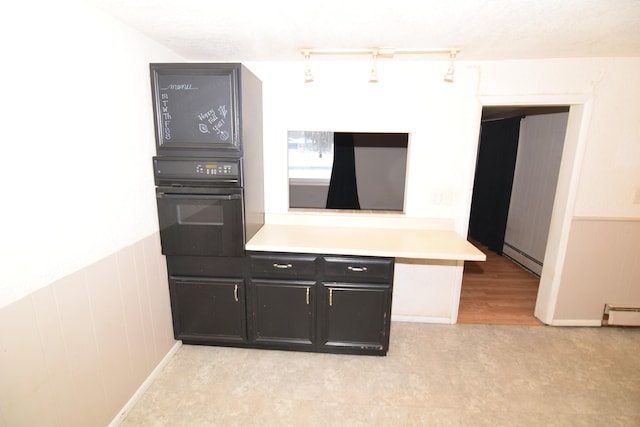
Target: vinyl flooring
(433, 375)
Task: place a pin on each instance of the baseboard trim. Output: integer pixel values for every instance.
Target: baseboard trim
(421, 319)
(145, 385)
(576, 322)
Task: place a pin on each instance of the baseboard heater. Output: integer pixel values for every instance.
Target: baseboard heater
(523, 259)
(618, 315)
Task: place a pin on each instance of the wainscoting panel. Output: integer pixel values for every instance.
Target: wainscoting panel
(74, 352)
(602, 266)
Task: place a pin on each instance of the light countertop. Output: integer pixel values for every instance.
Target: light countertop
(365, 241)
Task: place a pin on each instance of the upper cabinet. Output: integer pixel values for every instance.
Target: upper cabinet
(197, 109)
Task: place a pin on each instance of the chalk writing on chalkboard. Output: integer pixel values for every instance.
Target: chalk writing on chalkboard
(213, 120)
(195, 110)
(188, 86)
(166, 116)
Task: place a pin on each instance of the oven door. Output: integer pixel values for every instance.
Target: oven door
(201, 221)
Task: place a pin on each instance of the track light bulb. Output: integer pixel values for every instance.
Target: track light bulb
(308, 76)
(373, 77)
(448, 77)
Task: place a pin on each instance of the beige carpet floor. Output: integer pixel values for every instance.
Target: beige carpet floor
(433, 375)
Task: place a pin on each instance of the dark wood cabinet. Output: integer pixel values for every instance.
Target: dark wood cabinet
(287, 301)
(356, 304)
(356, 317)
(283, 298)
(283, 312)
(208, 310)
(343, 306)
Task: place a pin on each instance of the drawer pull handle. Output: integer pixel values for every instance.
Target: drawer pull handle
(235, 293)
(308, 290)
(282, 266)
(330, 297)
(357, 269)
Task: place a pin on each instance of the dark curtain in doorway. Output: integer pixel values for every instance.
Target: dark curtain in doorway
(343, 188)
(493, 181)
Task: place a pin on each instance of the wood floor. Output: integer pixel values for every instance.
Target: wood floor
(497, 292)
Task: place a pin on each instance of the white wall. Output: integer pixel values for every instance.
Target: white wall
(609, 171)
(77, 141)
(610, 177)
(443, 122)
(441, 118)
(411, 97)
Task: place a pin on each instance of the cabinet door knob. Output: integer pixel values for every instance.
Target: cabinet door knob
(308, 291)
(235, 293)
(330, 297)
(357, 269)
(283, 266)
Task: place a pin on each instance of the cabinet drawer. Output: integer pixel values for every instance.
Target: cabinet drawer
(359, 269)
(283, 265)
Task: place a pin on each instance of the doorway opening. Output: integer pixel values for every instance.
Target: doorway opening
(517, 168)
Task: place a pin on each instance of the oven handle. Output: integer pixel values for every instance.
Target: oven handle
(200, 196)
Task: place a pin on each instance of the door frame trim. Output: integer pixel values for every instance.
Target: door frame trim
(580, 112)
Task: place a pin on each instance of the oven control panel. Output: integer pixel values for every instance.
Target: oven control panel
(216, 168)
(179, 170)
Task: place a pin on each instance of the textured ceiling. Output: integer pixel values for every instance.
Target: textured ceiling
(246, 30)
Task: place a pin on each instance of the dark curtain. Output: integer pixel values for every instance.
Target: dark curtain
(493, 181)
(343, 188)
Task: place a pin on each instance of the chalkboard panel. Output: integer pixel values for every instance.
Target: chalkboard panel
(195, 108)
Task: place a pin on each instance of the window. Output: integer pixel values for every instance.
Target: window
(380, 166)
(310, 156)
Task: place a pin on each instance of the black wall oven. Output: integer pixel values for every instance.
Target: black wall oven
(200, 206)
(200, 222)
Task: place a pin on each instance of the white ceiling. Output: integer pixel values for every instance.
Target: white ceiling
(252, 30)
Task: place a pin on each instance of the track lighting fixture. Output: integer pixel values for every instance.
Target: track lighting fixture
(448, 77)
(387, 52)
(373, 77)
(308, 76)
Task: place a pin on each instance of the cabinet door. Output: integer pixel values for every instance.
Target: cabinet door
(196, 108)
(283, 312)
(208, 310)
(356, 317)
